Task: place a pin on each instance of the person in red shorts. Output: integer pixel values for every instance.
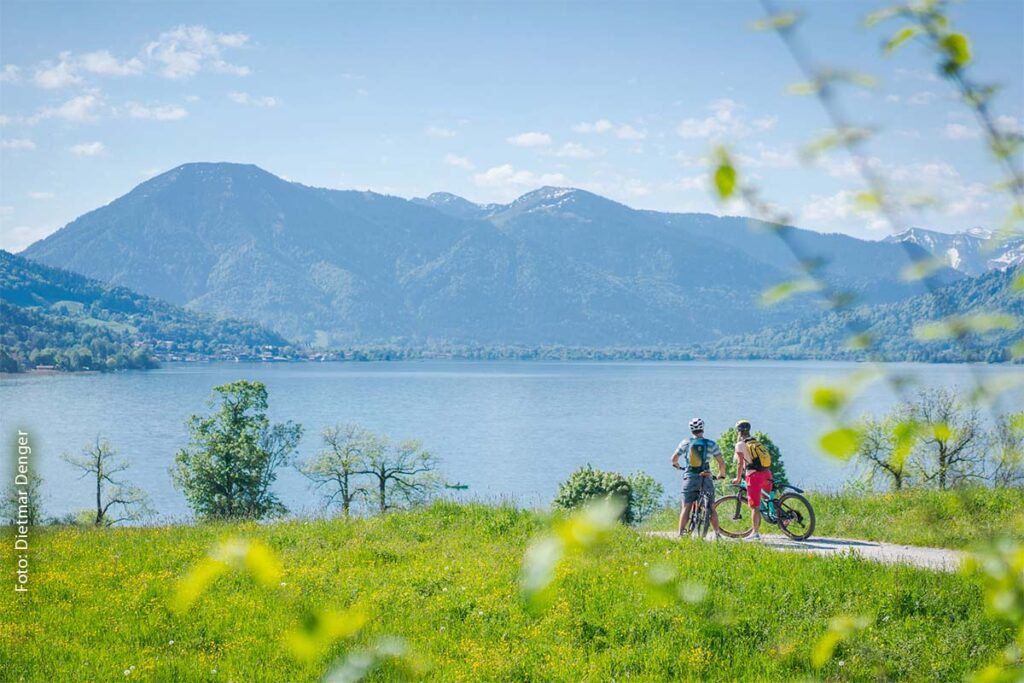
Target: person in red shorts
(753, 459)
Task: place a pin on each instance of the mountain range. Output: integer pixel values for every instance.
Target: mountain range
(972, 252)
(556, 266)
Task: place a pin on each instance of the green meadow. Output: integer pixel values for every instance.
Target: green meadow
(435, 594)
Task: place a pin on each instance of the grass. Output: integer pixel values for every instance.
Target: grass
(445, 580)
(963, 519)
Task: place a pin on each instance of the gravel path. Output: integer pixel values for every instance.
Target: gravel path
(939, 559)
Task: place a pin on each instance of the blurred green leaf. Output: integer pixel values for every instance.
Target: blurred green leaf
(859, 342)
(956, 326)
(905, 435)
(957, 47)
(900, 37)
(828, 399)
(839, 629)
(878, 16)
(922, 268)
(942, 431)
(867, 202)
(776, 22)
(321, 630)
(803, 88)
(725, 180)
(785, 290)
(841, 443)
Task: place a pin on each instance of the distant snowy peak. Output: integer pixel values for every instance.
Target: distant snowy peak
(973, 251)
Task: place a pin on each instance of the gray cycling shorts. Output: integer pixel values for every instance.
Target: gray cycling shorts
(692, 484)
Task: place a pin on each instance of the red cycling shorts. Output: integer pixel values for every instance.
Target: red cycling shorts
(757, 483)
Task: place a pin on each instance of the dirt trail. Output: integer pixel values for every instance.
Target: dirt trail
(939, 559)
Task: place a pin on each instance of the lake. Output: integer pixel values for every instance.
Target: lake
(509, 430)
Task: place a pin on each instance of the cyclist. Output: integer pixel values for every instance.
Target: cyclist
(753, 459)
(697, 473)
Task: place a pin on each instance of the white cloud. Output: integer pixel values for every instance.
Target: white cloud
(87, 149)
(723, 121)
(958, 131)
(917, 99)
(253, 101)
(184, 51)
(574, 150)
(17, 143)
(1009, 125)
(915, 74)
(531, 139)
(508, 179)
(599, 126)
(16, 238)
(103, 63)
(458, 162)
(628, 132)
(61, 74)
(191, 98)
(166, 112)
(438, 132)
(690, 183)
(40, 195)
(10, 74)
(838, 213)
(623, 131)
(79, 108)
(768, 157)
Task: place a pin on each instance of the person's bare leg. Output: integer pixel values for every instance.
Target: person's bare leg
(714, 522)
(684, 517)
(755, 518)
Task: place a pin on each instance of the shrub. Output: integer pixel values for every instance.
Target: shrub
(587, 484)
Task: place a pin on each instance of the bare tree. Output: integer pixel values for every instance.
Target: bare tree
(1006, 451)
(337, 468)
(100, 461)
(880, 450)
(949, 450)
(405, 472)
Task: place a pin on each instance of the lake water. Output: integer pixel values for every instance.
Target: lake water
(505, 429)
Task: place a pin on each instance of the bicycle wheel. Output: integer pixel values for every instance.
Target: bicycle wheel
(704, 519)
(733, 516)
(796, 516)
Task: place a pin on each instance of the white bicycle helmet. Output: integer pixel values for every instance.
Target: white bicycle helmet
(696, 425)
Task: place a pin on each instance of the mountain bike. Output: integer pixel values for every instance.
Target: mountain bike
(791, 512)
(700, 513)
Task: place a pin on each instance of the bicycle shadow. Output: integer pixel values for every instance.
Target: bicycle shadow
(836, 545)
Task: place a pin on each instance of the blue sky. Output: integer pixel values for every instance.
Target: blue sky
(486, 100)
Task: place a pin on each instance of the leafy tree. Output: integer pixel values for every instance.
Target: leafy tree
(234, 454)
(647, 494)
(346, 455)
(727, 443)
(100, 462)
(587, 484)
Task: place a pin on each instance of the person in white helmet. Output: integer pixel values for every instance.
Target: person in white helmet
(697, 472)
